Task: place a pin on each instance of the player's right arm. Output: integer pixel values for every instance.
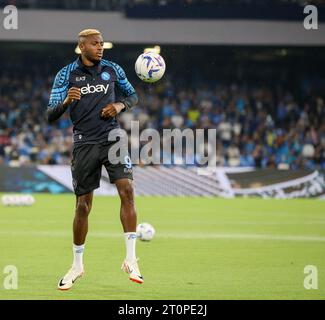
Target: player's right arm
(61, 97)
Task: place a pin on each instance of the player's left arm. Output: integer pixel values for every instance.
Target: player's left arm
(130, 96)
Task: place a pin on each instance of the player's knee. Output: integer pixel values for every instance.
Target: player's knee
(83, 208)
(126, 194)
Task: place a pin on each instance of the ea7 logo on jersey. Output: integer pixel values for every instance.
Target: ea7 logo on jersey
(92, 89)
(81, 78)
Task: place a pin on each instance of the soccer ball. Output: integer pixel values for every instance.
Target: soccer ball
(145, 231)
(150, 67)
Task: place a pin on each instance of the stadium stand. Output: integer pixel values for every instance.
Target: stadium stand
(122, 4)
(257, 125)
(267, 114)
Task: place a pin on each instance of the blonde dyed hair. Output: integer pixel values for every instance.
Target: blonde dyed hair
(87, 32)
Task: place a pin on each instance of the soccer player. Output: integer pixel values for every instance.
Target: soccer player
(86, 88)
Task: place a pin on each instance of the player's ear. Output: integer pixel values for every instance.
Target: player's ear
(81, 46)
(81, 43)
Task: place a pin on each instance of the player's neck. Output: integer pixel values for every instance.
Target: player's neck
(87, 62)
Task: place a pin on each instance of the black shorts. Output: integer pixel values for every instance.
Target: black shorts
(87, 162)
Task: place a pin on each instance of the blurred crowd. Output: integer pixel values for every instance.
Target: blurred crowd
(256, 125)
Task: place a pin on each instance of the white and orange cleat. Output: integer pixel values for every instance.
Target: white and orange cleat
(69, 279)
(133, 270)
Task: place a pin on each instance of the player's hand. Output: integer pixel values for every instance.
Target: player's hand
(112, 109)
(73, 94)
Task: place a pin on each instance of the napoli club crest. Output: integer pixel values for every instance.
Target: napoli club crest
(105, 76)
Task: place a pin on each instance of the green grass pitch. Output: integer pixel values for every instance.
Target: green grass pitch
(205, 248)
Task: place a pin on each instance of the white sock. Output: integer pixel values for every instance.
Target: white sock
(130, 240)
(78, 252)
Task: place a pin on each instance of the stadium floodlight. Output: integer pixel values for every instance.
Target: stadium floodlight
(107, 45)
(155, 49)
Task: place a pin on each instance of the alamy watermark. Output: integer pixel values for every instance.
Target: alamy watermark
(10, 281)
(311, 20)
(10, 20)
(169, 146)
(311, 278)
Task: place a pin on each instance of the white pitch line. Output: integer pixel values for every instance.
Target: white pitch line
(166, 235)
(246, 236)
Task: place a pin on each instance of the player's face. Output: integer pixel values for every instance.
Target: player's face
(92, 47)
